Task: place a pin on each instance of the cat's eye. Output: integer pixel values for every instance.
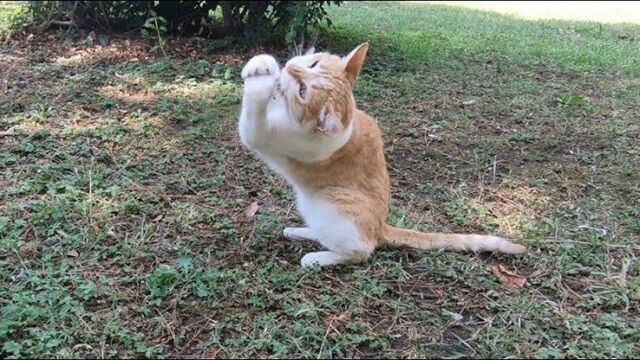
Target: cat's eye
(314, 64)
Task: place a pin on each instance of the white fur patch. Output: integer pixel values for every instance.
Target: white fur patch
(333, 230)
(299, 234)
(323, 258)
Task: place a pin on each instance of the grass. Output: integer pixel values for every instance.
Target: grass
(123, 187)
(9, 13)
(617, 12)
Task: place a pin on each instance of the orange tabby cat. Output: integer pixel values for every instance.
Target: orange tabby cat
(303, 122)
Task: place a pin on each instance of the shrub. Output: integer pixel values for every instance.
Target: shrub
(275, 21)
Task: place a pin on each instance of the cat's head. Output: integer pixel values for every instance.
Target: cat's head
(318, 89)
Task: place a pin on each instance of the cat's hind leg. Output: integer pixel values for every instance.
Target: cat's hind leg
(324, 258)
(328, 258)
(299, 234)
(344, 248)
(334, 231)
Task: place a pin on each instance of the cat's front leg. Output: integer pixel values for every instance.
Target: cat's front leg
(259, 75)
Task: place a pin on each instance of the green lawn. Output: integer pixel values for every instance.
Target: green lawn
(123, 187)
(7, 12)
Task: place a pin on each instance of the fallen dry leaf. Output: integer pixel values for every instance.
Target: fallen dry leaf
(29, 248)
(73, 253)
(251, 210)
(509, 279)
(422, 106)
(335, 319)
(340, 318)
(8, 132)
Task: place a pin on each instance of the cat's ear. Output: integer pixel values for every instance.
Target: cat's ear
(310, 50)
(330, 123)
(353, 62)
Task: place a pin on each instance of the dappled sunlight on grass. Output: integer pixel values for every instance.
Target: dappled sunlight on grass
(213, 91)
(599, 11)
(519, 209)
(8, 60)
(128, 97)
(426, 36)
(121, 51)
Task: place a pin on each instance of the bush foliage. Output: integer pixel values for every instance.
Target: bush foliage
(252, 20)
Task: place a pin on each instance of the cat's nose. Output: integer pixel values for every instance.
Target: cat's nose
(294, 70)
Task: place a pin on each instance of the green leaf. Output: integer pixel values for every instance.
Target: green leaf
(55, 342)
(200, 289)
(162, 281)
(87, 290)
(572, 100)
(12, 347)
(184, 263)
(103, 40)
(550, 353)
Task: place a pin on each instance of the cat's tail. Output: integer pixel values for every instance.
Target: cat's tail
(461, 242)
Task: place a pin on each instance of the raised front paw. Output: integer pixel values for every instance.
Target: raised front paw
(261, 65)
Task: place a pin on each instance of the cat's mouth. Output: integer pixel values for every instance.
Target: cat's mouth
(290, 80)
(303, 90)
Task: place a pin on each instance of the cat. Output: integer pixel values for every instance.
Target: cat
(303, 122)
